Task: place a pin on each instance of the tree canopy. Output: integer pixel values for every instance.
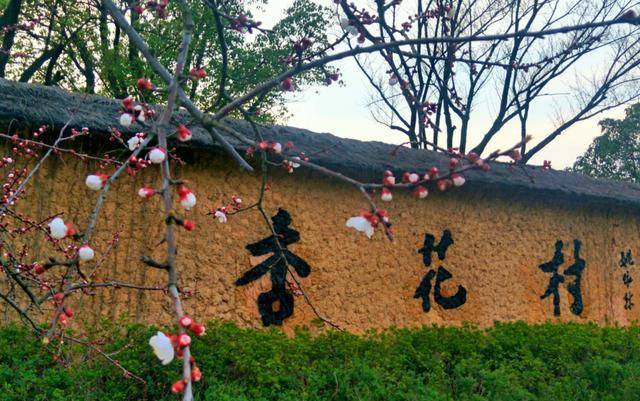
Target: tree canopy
(76, 46)
(616, 153)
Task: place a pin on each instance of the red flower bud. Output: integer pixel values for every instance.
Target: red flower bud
(189, 226)
(444, 184)
(263, 145)
(196, 375)
(197, 329)
(177, 387)
(197, 73)
(39, 269)
(144, 84)
(287, 84)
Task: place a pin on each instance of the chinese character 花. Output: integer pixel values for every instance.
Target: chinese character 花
(424, 289)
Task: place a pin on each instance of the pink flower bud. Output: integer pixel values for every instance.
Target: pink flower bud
(458, 180)
(184, 340)
(386, 195)
(197, 329)
(421, 192)
(146, 192)
(185, 321)
(177, 387)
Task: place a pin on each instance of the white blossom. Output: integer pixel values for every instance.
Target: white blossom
(162, 347)
(93, 182)
(157, 155)
(85, 253)
(221, 216)
(57, 228)
(361, 224)
(126, 120)
(188, 201)
(134, 142)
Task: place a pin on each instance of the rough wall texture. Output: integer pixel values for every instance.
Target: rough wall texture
(499, 242)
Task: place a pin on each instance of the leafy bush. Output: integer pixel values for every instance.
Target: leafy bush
(513, 361)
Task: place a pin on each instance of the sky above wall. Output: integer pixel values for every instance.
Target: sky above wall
(344, 111)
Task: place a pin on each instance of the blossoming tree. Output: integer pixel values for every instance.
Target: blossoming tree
(71, 270)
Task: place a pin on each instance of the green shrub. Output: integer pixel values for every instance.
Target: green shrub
(513, 361)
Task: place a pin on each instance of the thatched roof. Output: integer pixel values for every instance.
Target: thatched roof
(34, 105)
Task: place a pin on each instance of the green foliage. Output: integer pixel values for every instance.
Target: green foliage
(616, 153)
(95, 56)
(515, 361)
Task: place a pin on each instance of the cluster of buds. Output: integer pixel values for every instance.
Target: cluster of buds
(290, 165)
(166, 347)
(136, 164)
(416, 180)
(331, 78)
(222, 212)
(243, 24)
(26, 148)
(158, 7)
(5, 161)
(294, 288)
(144, 84)
(478, 162)
(83, 131)
(132, 112)
(301, 45)
(367, 222)
(135, 141)
(197, 73)
(67, 312)
(274, 147)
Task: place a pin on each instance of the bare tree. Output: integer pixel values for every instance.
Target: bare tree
(435, 93)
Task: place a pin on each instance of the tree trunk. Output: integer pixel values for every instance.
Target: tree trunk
(9, 17)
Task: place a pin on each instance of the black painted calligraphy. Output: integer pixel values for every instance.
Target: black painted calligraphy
(442, 274)
(276, 304)
(574, 287)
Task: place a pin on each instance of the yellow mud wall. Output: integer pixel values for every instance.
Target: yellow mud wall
(500, 240)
